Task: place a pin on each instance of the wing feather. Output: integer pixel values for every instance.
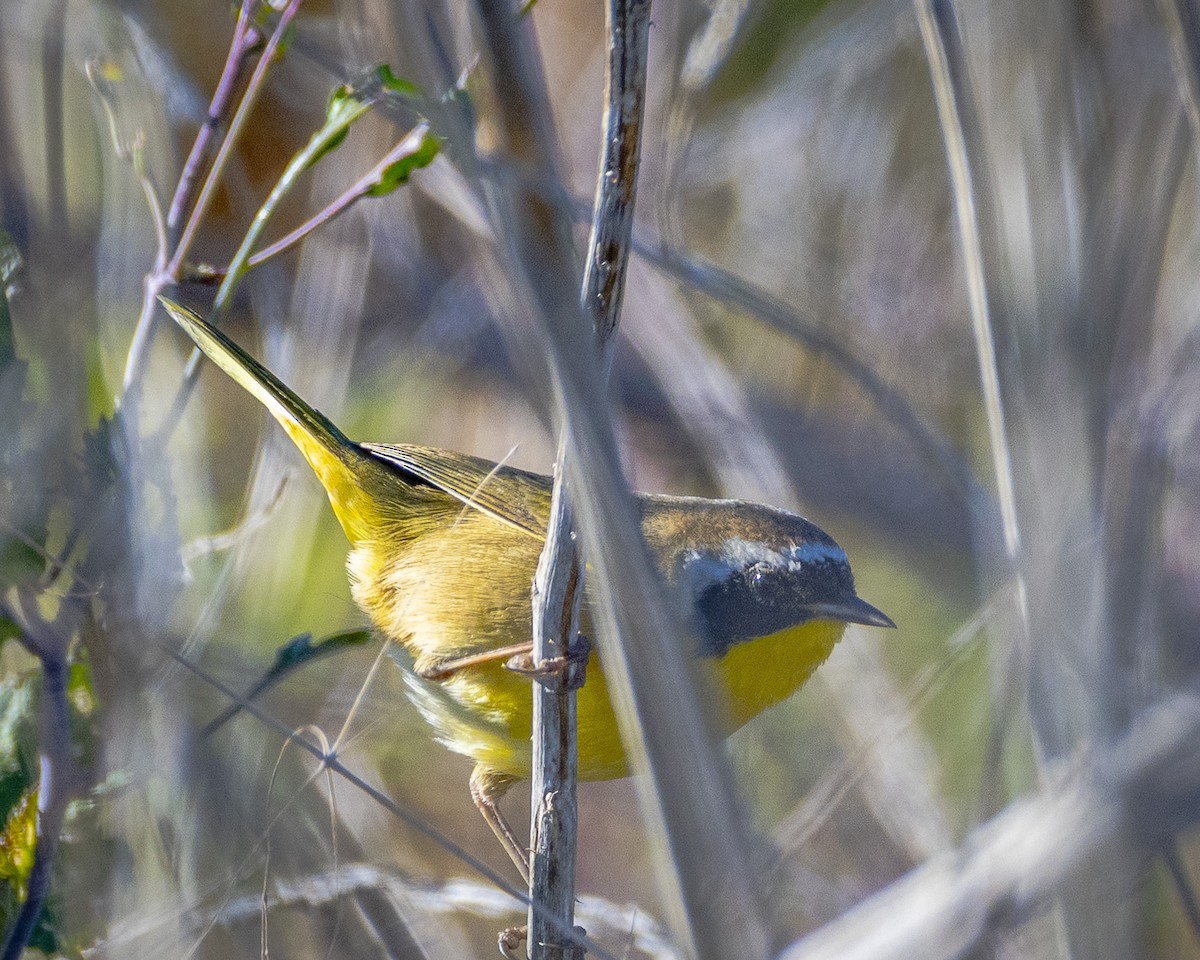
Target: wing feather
(515, 497)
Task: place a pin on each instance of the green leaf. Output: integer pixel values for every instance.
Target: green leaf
(396, 174)
(81, 690)
(349, 102)
(346, 104)
(301, 650)
(293, 655)
(19, 561)
(45, 934)
(81, 694)
(390, 83)
(18, 841)
(18, 805)
(18, 846)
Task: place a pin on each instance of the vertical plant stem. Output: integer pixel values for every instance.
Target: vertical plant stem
(947, 70)
(253, 89)
(559, 581)
(553, 839)
(1183, 28)
(323, 140)
(684, 789)
(411, 143)
(52, 99)
(628, 27)
(241, 44)
(170, 263)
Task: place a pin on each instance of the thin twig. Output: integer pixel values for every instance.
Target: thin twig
(411, 142)
(326, 138)
(1184, 30)
(170, 263)
(254, 88)
(331, 762)
(1026, 855)
(163, 276)
(558, 584)
(450, 898)
(684, 787)
(740, 294)
(952, 96)
(725, 287)
(134, 154)
(554, 823)
(53, 84)
(606, 267)
(245, 39)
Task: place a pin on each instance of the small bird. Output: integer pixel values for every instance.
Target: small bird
(443, 549)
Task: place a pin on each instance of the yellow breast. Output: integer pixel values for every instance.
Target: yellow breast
(759, 673)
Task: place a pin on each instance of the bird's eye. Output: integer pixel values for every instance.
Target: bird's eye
(757, 573)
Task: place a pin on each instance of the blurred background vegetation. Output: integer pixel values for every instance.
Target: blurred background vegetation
(791, 146)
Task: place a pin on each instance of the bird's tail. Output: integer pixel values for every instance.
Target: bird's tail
(338, 462)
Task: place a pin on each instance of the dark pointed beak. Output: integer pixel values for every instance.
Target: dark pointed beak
(855, 610)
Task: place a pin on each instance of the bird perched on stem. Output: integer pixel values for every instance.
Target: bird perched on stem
(443, 549)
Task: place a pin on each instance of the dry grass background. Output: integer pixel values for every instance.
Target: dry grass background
(812, 343)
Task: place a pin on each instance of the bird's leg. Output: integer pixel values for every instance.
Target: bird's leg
(569, 670)
(445, 669)
(510, 939)
(487, 787)
(518, 657)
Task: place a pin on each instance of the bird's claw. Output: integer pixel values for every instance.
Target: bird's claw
(561, 673)
(510, 939)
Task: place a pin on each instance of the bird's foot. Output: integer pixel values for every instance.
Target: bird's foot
(562, 673)
(511, 939)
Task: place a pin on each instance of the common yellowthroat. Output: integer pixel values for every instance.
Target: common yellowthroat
(443, 552)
